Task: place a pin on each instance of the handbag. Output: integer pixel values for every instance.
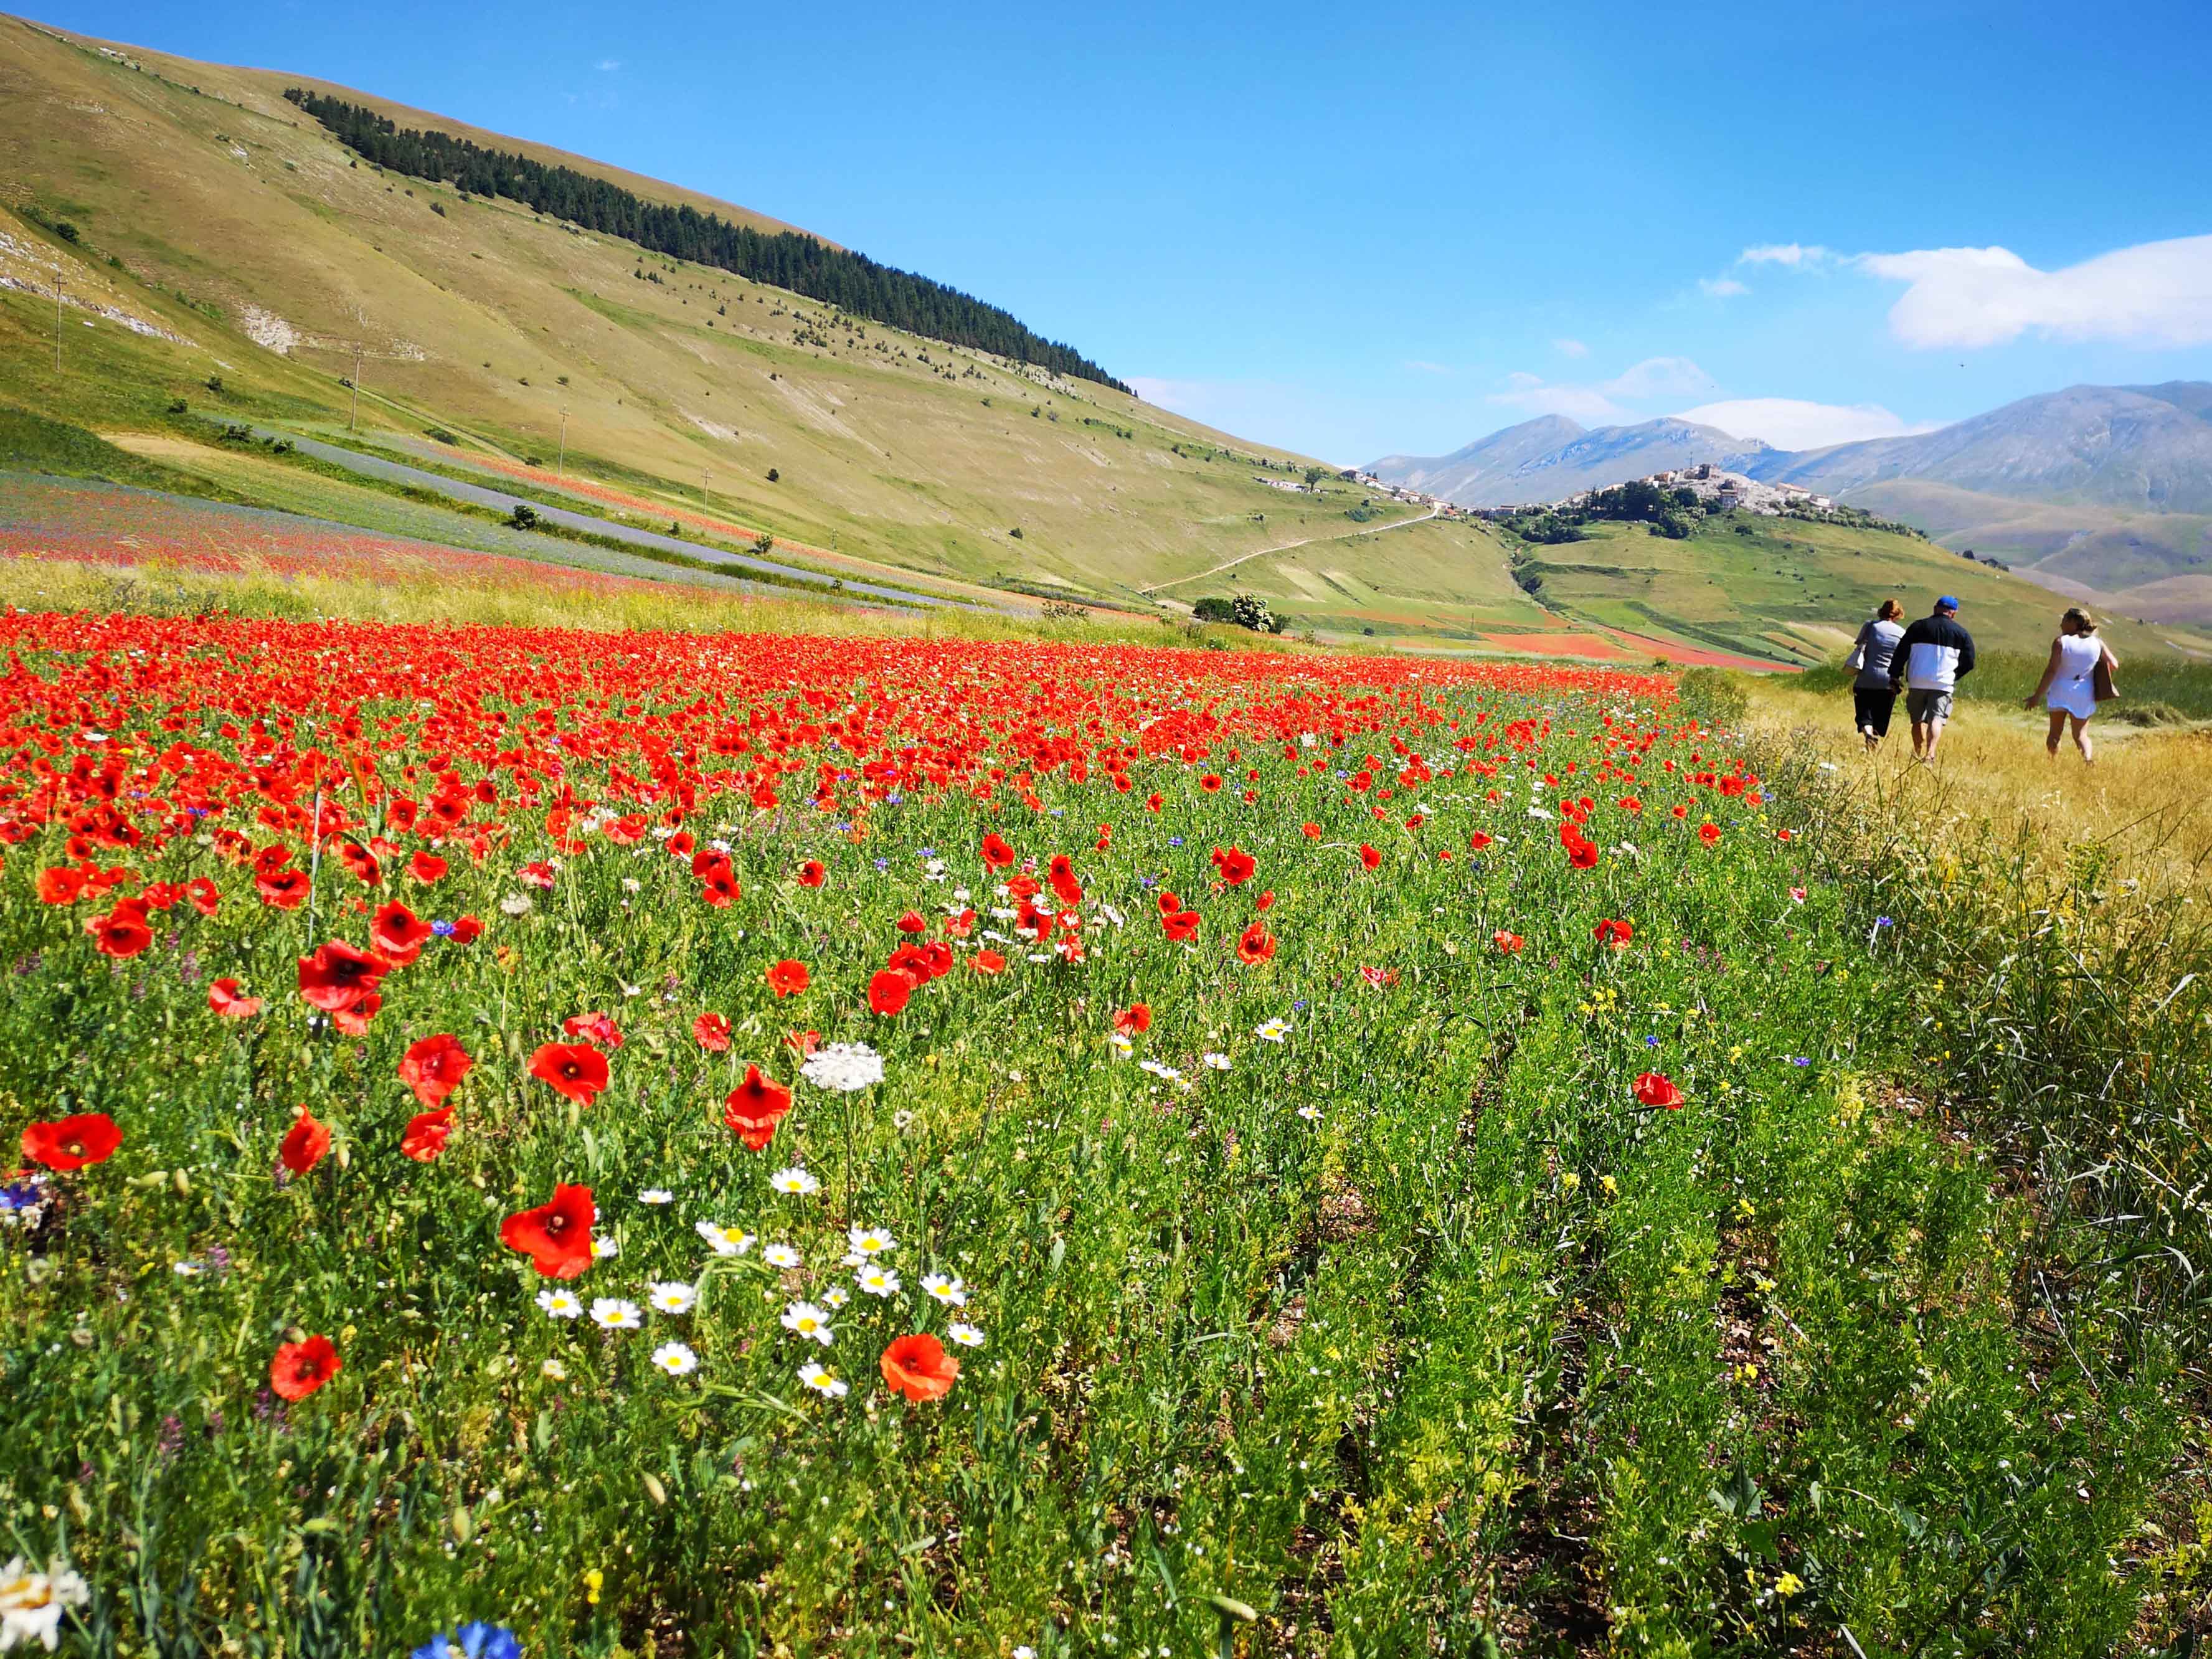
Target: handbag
(2100, 678)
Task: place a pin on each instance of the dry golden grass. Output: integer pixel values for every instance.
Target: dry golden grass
(1992, 788)
(439, 596)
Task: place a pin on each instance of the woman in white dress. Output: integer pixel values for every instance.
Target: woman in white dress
(2069, 679)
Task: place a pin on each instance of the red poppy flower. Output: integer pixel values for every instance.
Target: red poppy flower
(1614, 932)
(539, 875)
(1368, 856)
(914, 962)
(467, 930)
(427, 868)
(61, 885)
(711, 1031)
(1169, 902)
(1136, 1018)
(1506, 942)
(1477, 842)
(397, 934)
(1266, 900)
(912, 923)
(283, 889)
(811, 874)
(556, 1236)
(597, 1029)
(574, 1069)
(301, 1368)
(1180, 927)
(1234, 864)
(803, 1043)
(919, 1368)
(987, 962)
(354, 1021)
(721, 890)
(1708, 833)
(1655, 1089)
(205, 897)
(889, 990)
(72, 1143)
(120, 932)
(1255, 944)
(304, 1143)
(1310, 831)
(224, 998)
(337, 976)
(754, 1107)
(434, 1066)
(997, 855)
(1582, 854)
(426, 1135)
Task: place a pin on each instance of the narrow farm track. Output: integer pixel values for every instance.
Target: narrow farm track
(1309, 541)
(500, 500)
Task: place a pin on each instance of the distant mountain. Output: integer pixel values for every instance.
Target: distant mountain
(2144, 448)
(1552, 456)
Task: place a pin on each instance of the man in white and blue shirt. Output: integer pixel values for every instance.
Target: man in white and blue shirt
(1933, 657)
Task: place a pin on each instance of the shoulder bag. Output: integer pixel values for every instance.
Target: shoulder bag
(2100, 677)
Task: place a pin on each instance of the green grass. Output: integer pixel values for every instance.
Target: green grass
(2147, 683)
(1891, 1327)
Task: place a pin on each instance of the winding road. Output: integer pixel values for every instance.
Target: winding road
(1262, 552)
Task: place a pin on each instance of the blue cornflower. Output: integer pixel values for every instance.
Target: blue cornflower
(1799, 1060)
(1175, 840)
(1298, 1007)
(1651, 1042)
(926, 852)
(1883, 921)
(442, 929)
(883, 864)
(22, 1195)
(474, 1640)
(893, 800)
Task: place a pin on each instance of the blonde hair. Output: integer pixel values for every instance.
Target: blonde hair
(2082, 621)
(1890, 611)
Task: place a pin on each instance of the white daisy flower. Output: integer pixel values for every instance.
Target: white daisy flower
(817, 1377)
(1160, 1069)
(656, 1195)
(1217, 1062)
(876, 1281)
(611, 1313)
(515, 904)
(966, 1335)
(805, 1318)
(844, 1068)
(725, 1241)
(676, 1359)
(672, 1295)
(1272, 1030)
(559, 1304)
(604, 1250)
(1311, 1112)
(951, 1292)
(191, 1269)
(868, 1242)
(554, 1371)
(1122, 1042)
(795, 1181)
(835, 1296)
(779, 1255)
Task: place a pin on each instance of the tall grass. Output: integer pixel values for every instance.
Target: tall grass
(2153, 690)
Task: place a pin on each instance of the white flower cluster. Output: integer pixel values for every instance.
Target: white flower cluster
(845, 1067)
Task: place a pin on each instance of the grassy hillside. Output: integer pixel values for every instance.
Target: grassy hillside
(229, 216)
(1790, 590)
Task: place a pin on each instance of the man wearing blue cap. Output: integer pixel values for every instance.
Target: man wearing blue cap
(1933, 657)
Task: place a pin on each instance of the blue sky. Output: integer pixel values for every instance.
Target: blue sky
(1400, 227)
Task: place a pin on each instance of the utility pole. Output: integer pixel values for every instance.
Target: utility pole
(58, 319)
(704, 474)
(354, 414)
(560, 466)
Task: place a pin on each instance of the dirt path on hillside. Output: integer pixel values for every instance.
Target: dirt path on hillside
(1261, 552)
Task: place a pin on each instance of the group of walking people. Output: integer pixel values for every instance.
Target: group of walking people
(1924, 663)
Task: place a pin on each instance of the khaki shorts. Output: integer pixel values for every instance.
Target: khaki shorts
(1926, 707)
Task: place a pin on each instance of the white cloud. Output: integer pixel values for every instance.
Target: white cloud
(1660, 377)
(2153, 293)
(1798, 255)
(1721, 288)
(609, 66)
(1655, 377)
(1570, 348)
(1794, 423)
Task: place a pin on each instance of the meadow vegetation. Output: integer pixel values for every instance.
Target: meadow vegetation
(1447, 1158)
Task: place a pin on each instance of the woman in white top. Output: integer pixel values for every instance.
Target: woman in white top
(2069, 678)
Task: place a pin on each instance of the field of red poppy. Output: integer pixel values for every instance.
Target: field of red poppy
(699, 1145)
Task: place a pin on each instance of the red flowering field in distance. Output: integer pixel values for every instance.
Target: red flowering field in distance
(714, 1145)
